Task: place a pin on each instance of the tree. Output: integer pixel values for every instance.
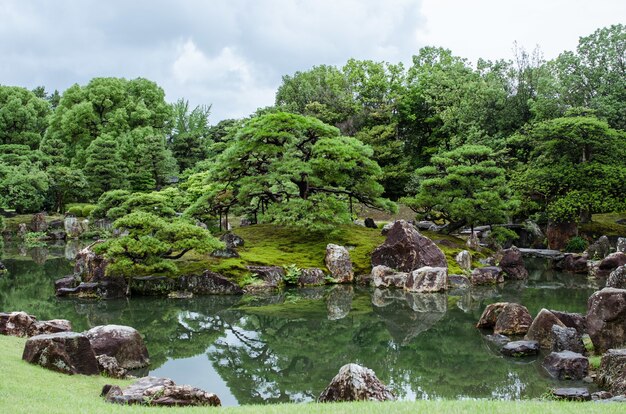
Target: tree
(189, 134)
(464, 187)
(65, 185)
(23, 117)
(23, 188)
(104, 168)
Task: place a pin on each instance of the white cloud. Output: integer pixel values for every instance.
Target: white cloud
(193, 66)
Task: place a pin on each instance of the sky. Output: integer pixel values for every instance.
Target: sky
(232, 54)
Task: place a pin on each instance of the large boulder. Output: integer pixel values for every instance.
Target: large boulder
(385, 277)
(153, 285)
(617, 278)
(271, 276)
(558, 234)
(520, 348)
(514, 319)
(606, 318)
(208, 283)
(312, 276)
(338, 263)
(574, 263)
(38, 223)
(406, 250)
(612, 371)
(231, 240)
(489, 275)
(512, 264)
(370, 223)
(540, 329)
(464, 260)
(604, 268)
(566, 365)
(571, 320)
(427, 280)
(599, 249)
(566, 339)
(49, 327)
(571, 394)
(91, 268)
(490, 315)
(159, 392)
(356, 383)
(66, 352)
(16, 323)
(121, 342)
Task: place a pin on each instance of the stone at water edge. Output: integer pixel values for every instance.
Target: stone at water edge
(385, 277)
(604, 268)
(489, 275)
(541, 328)
(338, 263)
(311, 277)
(572, 394)
(208, 283)
(159, 392)
(566, 339)
(520, 349)
(271, 276)
(513, 320)
(617, 278)
(574, 263)
(122, 342)
(15, 323)
(512, 264)
(490, 315)
(599, 249)
(464, 260)
(65, 352)
(566, 365)
(109, 366)
(606, 318)
(427, 280)
(356, 383)
(612, 371)
(571, 320)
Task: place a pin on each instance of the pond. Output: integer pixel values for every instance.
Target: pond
(287, 346)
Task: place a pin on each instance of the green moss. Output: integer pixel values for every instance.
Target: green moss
(604, 225)
(594, 362)
(12, 223)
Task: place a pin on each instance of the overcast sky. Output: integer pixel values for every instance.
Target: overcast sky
(232, 53)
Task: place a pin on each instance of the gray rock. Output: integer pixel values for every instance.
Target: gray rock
(599, 249)
(512, 264)
(520, 349)
(38, 223)
(572, 394)
(473, 242)
(385, 277)
(458, 281)
(338, 263)
(604, 268)
(490, 315)
(109, 367)
(159, 392)
(153, 285)
(232, 240)
(606, 318)
(566, 365)
(489, 275)
(387, 228)
(208, 283)
(617, 278)
(571, 320)
(566, 339)
(49, 327)
(227, 253)
(464, 260)
(514, 319)
(16, 323)
(612, 371)
(65, 352)
(574, 263)
(541, 328)
(621, 244)
(271, 276)
(311, 277)
(356, 383)
(601, 395)
(427, 280)
(498, 339)
(370, 224)
(121, 342)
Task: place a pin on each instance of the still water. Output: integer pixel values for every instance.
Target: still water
(287, 346)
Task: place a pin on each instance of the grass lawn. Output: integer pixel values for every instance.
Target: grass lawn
(26, 388)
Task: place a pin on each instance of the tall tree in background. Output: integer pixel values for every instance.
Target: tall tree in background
(23, 117)
(190, 129)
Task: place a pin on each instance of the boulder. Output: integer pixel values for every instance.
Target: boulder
(464, 260)
(512, 264)
(49, 327)
(90, 268)
(370, 224)
(311, 277)
(489, 275)
(16, 323)
(427, 280)
(601, 395)
(540, 329)
(110, 288)
(612, 371)
(153, 285)
(208, 283)
(73, 227)
(514, 319)
(520, 348)
(608, 264)
(571, 394)
(159, 392)
(473, 242)
(65, 352)
(574, 263)
(89, 265)
(385, 277)
(571, 320)
(121, 342)
(387, 228)
(245, 222)
(599, 249)
(617, 278)
(338, 263)
(356, 383)
(231, 240)
(566, 339)
(109, 367)
(490, 315)
(498, 340)
(458, 281)
(606, 318)
(38, 223)
(406, 250)
(621, 244)
(22, 229)
(558, 234)
(227, 253)
(67, 282)
(271, 276)
(566, 365)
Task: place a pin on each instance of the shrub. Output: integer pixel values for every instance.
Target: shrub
(292, 274)
(88, 209)
(500, 236)
(34, 239)
(75, 211)
(576, 244)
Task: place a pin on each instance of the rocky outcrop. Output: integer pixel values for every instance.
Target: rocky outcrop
(599, 249)
(490, 315)
(520, 348)
(558, 234)
(514, 319)
(65, 352)
(271, 276)
(159, 392)
(604, 268)
(427, 280)
(406, 250)
(356, 383)
(226, 253)
(512, 264)
(338, 263)
(231, 240)
(606, 318)
(208, 283)
(571, 394)
(464, 260)
(566, 339)
(571, 320)
(386, 277)
(566, 365)
(121, 342)
(311, 277)
(617, 278)
(38, 223)
(23, 324)
(612, 371)
(621, 244)
(489, 275)
(109, 367)
(540, 329)
(153, 285)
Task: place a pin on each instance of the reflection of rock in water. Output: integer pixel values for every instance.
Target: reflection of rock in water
(72, 247)
(39, 254)
(312, 293)
(264, 298)
(406, 315)
(339, 302)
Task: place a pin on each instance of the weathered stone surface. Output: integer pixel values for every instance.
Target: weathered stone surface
(339, 302)
(227, 253)
(599, 249)
(66, 352)
(512, 264)
(22, 229)
(572, 394)
(489, 275)
(311, 277)
(473, 242)
(458, 281)
(617, 278)
(180, 294)
(121, 342)
(574, 263)
(16, 323)
(558, 234)
(109, 366)
(606, 318)
(498, 339)
(621, 244)
(490, 315)
(601, 395)
(385, 277)
(608, 264)
(356, 383)
(513, 320)
(427, 280)
(244, 222)
(464, 260)
(387, 228)
(67, 282)
(38, 223)
(566, 365)
(49, 327)
(612, 371)
(159, 392)
(89, 265)
(566, 339)
(571, 320)
(153, 285)
(406, 250)
(271, 276)
(338, 263)
(541, 328)
(520, 348)
(208, 283)
(108, 289)
(370, 224)
(232, 240)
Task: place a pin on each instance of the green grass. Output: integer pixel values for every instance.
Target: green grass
(604, 224)
(27, 388)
